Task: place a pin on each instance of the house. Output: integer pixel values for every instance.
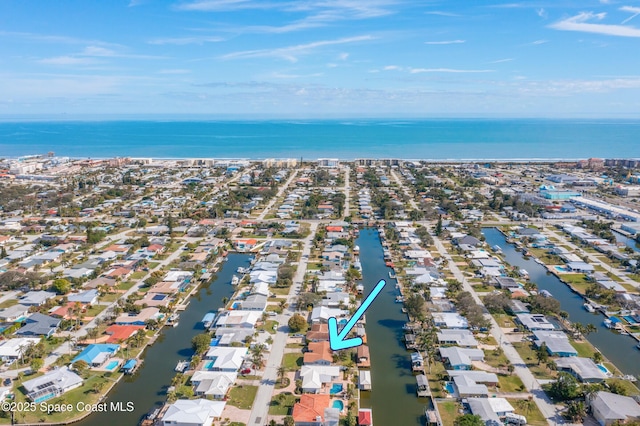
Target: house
(254, 302)
(14, 348)
(241, 319)
(417, 362)
(462, 338)
(362, 356)
(36, 298)
(490, 410)
(610, 408)
(192, 412)
(461, 358)
(232, 336)
(533, 322)
(52, 384)
(318, 333)
(119, 333)
(153, 300)
(39, 325)
(470, 383)
(14, 313)
(557, 343)
(100, 282)
(322, 314)
(506, 282)
(140, 318)
(119, 273)
(517, 307)
(584, 369)
(580, 267)
(449, 320)
(88, 297)
(96, 355)
(225, 358)
(244, 245)
(215, 384)
(314, 377)
(319, 353)
(467, 240)
(310, 410)
(364, 379)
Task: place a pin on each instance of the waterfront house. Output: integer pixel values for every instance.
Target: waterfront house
(580, 267)
(139, 318)
(417, 362)
(470, 383)
(584, 369)
(88, 297)
(155, 300)
(215, 384)
(52, 384)
(225, 358)
(319, 353)
(311, 409)
(610, 408)
(517, 307)
(96, 355)
(364, 379)
(319, 332)
(14, 348)
(461, 358)
(254, 302)
(119, 333)
(39, 325)
(314, 377)
(557, 343)
(462, 338)
(36, 298)
(244, 245)
(322, 314)
(237, 319)
(533, 322)
(232, 336)
(450, 320)
(192, 412)
(506, 282)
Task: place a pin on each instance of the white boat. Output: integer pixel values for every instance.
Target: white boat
(497, 249)
(182, 366)
(523, 273)
(608, 323)
(392, 274)
(538, 261)
(242, 270)
(589, 307)
(235, 280)
(545, 293)
(399, 299)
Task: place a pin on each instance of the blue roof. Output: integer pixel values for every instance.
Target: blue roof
(209, 317)
(92, 351)
(130, 364)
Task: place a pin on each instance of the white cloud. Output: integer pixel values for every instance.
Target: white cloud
(538, 42)
(174, 71)
(68, 60)
(291, 53)
(392, 68)
(181, 41)
(542, 13)
(343, 56)
(446, 70)
(445, 42)
(441, 13)
(634, 10)
(499, 61)
(580, 22)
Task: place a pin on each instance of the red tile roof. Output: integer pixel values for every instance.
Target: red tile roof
(120, 333)
(310, 408)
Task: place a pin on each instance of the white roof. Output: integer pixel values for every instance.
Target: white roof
(226, 358)
(11, 348)
(193, 412)
(245, 319)
(450, 319)
(364, 377)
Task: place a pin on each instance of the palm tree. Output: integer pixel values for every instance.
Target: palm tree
(282, 371)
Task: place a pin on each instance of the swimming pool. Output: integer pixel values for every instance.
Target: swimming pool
(336, 388)
(449, 387)
(208, 365)
(338, 404)
(560, 268)
(112, 365)
(603, 368)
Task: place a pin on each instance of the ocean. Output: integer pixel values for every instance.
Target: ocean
(432, 139)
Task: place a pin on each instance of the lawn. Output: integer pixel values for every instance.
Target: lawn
(126, 285)
(269, 326)
(630, 387)
(153, 265)
(448, 412)
(7, 303)
(584, 348)
(496, 358)
(530, 410)
(282, 404)
(435, 384)
(138, 275)
(280, 291)
(529, 357)
(242, 396)
(292, 361)
(510, 383)
(95, 310)
(504, 320)
(110, 297)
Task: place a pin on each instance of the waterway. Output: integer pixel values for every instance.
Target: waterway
(393, 396)
(629, 242)
(148, 386)
(619, 349)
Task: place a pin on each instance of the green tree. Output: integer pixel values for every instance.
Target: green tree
(200, 343)
(3, 253)
(36, 364)
(468, 420)
(288, 421)
(61, 286)
(415, 306)
(576, 411)
(297, 323)
(564, 388)
(542, 354)
(438, 230)
(80, 366)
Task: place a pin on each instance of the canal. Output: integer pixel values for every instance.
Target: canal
(619, 349)
(629, 242)
(393, 397)
(148, 386)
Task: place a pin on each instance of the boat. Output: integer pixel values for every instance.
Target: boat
(399, 299)
(608, 323)
(242, 270)
(523, 273)
(173, 320)
(182, 366)
(208, 319)
(589, 307)
(392, 274)
(546, 293)
(150, 418)
(235, 280)
(538, 261)
(496, 248)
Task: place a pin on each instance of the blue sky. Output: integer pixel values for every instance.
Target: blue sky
(304, 58)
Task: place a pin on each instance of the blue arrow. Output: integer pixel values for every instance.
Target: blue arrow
(337, 340)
